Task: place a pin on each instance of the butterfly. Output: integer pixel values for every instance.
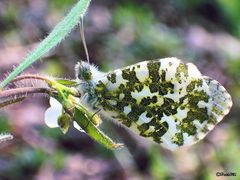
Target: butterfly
(164, 100)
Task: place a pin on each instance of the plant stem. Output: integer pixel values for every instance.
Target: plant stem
(32, 76)
(56, 36)
(24, 91)
(12, 96)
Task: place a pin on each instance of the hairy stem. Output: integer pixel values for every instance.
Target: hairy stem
(12, 96)
(32, 76)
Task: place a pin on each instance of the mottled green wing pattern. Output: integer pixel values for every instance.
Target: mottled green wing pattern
(220, 104)
(165, 100)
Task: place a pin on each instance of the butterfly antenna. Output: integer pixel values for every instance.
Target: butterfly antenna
(83, 39)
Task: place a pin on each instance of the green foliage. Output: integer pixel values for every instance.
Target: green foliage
(66, 82)
(139, 35)
(51, 133)
(231, 10)
(159, 168)
(5, 127)
(31, 158)
(10, 15)
(225, 154)
(234, 67)
(58, 159)
(54, 68)
(131, 13)
(61, 4)
(26, 161)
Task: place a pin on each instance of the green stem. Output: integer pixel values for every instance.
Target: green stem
(56, 36)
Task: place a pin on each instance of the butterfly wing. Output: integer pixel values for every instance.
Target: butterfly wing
(165, 100)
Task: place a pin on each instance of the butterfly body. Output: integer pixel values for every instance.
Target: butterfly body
(165, 100)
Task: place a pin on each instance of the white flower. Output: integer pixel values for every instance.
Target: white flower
(52, 113)
(75, 124)
(54, 117)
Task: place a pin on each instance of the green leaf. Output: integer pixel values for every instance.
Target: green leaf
(66, 82)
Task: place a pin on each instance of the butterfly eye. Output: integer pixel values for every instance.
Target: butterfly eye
(86, 75)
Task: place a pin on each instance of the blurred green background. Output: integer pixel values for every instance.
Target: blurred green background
(119, 33)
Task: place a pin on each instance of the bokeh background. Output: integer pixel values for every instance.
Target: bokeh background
(119, 33)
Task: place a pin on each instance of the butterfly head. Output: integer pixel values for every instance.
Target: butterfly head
(83, 71)
(87, 72)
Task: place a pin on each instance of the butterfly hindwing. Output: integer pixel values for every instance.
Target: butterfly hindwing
(165, 100)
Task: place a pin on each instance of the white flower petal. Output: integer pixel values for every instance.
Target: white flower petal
(75, 124)
(52, 113)
(53, 102)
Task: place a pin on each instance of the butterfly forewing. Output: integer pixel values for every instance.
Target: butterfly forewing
(165, 100)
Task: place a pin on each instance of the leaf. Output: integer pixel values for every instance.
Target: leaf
(66, 82)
